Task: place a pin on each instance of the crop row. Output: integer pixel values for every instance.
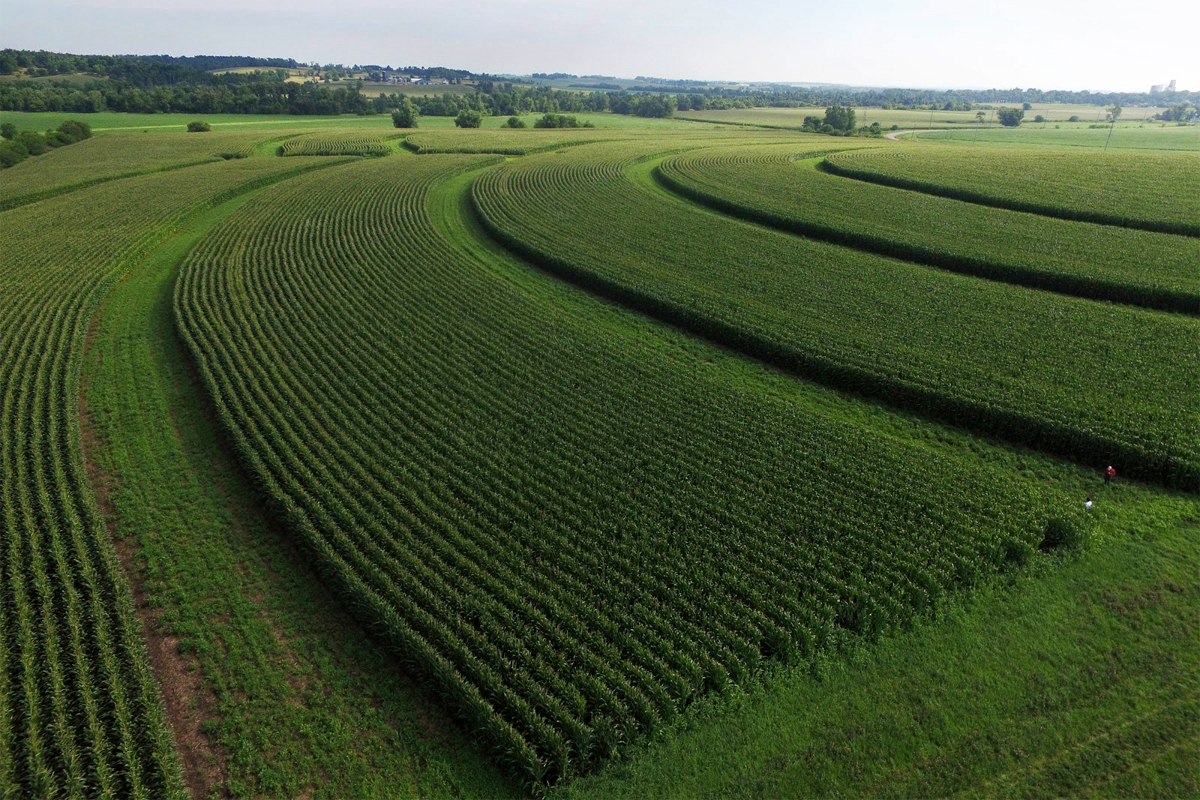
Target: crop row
(108, 157)
(765, 185)
(1152, 191)
(1092, 381)
(355, 144)
(569, 531)
(501, 142)
(79, 710)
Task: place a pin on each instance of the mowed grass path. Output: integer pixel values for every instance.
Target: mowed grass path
(292, 697)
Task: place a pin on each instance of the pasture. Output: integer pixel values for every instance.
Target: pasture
(667, 459)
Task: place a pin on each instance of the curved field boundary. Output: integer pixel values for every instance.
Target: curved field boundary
(982, 417)
(1154, 297)
(80, 713)
(571, 529)
(33, 197)
(354, 145)
(741, 124)
(438, 149)
(686, 285)
(834, 167)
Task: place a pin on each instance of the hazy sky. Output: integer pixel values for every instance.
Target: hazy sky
(1086, 44)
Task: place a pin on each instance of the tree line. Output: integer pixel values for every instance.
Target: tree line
(153, 84)
(16, 146)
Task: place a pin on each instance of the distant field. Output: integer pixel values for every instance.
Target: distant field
(106, 122)
(73, 78)
(1154, 136)
(794, 117)
(416, 90)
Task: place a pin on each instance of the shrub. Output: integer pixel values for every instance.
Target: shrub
(12, 153)
(560, 121)
(468, 119)
(515, 122)
(406, 115)
(1010, 117)
(1062, 533)
(35, 143)
(76, 129)
(198, 126)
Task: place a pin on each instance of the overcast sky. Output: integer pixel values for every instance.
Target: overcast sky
(1084, 44)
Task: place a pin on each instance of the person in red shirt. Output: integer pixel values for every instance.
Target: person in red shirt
(1109, 474)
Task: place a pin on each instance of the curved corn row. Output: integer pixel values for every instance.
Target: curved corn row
(1095, 261)
(571, 533)
(106, 158)
(79, 710)
(1152, 191)
(337, 145)
(1091, 381)
(502, 142)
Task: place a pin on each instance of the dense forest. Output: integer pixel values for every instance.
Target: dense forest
(148, 84)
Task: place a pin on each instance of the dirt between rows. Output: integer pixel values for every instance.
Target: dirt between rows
(187, 704)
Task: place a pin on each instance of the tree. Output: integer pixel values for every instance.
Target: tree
(468, 118)
(1039, 118)
(979, 116)
(550, 120)
(198, 126)
(35, 143)
(515, 122)
(406, 115)
(1113, 113)
(12, 153)
(840, 118)
(1010, 117)
(76, 129)
(8, 130)
(1026, 106)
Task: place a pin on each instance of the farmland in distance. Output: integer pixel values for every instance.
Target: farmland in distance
(501, 395)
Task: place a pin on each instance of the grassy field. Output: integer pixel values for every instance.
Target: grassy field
(794, 117)
(516, 533)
